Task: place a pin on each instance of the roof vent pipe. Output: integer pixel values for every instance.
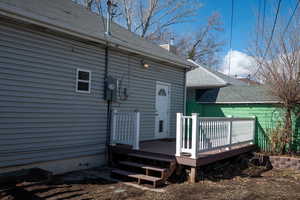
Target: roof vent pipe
(172, 41)
(108, 17)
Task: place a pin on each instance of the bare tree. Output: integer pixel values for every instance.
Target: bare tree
(205, 44)
(152, 19)
(86, 3)
(148, 18)
(278, 59)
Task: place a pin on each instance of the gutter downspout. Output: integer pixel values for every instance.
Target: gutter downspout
(108, 110)
(185, 92)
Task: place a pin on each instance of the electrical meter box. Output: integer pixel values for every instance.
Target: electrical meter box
(111, 89)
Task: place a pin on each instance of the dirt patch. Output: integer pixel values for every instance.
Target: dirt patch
(88, 185)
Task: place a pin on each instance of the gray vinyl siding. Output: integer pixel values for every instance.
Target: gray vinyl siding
(141, 85)
(42, 118)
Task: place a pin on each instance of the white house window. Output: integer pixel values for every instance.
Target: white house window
(83, 81)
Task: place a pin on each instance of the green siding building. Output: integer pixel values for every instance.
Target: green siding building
(213, 94)
(266, 115)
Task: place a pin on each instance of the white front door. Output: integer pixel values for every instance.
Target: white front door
(162, 110)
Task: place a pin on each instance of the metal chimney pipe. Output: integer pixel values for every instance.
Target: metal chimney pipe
(172, 41)
(108, 18)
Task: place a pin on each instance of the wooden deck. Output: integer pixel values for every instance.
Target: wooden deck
(199, 141)
(167, 148)
(160, 156)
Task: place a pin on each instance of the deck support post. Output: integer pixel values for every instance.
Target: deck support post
(193, 175)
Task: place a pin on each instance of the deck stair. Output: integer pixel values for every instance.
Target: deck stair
(142, 167)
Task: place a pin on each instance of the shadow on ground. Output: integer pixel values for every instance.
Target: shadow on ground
(68, 186)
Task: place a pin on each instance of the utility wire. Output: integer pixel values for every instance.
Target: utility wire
(263, 19)
(272, 33)
(291, 18)
(258, 20)
(273, 29)
(230, 41)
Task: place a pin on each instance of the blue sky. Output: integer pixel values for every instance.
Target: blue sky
(245, 16)
(245, 12)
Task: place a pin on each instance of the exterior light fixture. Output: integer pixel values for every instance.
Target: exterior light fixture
(144, 64)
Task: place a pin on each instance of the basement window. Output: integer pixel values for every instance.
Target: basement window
(83, 83)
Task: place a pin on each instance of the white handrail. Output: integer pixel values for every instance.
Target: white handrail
(198, 134)
(126, 128)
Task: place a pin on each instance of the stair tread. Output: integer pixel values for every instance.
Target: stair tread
(150, 157)
(135, 175)
(134, 164)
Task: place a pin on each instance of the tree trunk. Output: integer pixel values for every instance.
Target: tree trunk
(287, 135)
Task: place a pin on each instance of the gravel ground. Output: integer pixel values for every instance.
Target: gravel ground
(88, 184)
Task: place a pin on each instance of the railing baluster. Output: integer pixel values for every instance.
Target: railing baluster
(223, 133)
(211, 135)
(136, 125)
(218, 134)
(184, 132)
(188, 134)
(119, 127)
(125, 127)
(122, 127)
(206, 135)
(203, 134)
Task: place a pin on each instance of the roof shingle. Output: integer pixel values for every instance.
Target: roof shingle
(66, 15)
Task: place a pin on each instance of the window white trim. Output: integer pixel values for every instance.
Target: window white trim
(83, 81)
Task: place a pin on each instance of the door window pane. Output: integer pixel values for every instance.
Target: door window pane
(162, 92)
(161, 126)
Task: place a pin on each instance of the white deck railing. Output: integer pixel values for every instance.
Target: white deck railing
(126, 128)
(199, 134)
